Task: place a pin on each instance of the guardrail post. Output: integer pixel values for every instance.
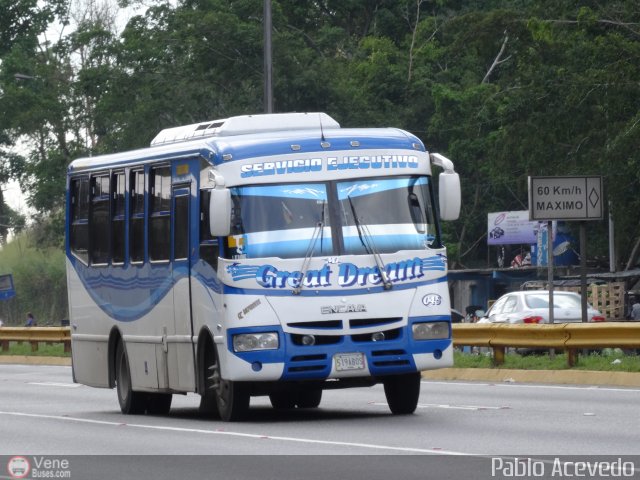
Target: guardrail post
(572, 357)
(5, 345)
(34, 346)
(498, 355)
(67, 346)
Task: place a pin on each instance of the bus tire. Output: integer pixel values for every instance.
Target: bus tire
(232, 398)
(283, 399)
(208, 403)
(402, 392)
(131, 403)
(310, 398)
(159, 403)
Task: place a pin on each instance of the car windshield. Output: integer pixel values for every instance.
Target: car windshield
(541, 300)
(354, 217)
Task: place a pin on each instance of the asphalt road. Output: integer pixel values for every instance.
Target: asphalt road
(43, 413)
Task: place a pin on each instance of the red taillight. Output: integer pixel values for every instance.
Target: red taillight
(533, 319)
(598, 318)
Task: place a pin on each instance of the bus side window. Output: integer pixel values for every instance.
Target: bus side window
(117, 217)
(209, 247)
(136, 226)
(99, 221)
(160, 213)
(79, 228)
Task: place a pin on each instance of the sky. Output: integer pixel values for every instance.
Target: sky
(14, 197)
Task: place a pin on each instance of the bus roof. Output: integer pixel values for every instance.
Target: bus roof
(268, 137)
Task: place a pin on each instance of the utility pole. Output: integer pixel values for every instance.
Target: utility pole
(268, 63)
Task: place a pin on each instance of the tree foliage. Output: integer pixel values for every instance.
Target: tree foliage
(507, 89)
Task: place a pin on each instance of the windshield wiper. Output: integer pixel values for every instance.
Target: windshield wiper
(318, 232)
(367, 241)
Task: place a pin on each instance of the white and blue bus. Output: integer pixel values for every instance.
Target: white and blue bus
(273, 254)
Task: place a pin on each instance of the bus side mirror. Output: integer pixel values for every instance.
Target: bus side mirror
(220, 212)
(449, 195)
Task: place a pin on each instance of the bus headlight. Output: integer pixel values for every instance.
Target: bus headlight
(430, 330)
(247, 342)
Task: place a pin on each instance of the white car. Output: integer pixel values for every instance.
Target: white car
(532, 306)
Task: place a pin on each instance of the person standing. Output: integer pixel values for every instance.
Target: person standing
(635, 310)
(31, 321)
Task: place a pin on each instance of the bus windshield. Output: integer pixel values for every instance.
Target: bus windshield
(333, 218)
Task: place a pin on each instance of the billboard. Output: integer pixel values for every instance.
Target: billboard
(511, 228)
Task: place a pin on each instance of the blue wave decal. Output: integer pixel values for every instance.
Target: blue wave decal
(388, 243)
(242, 272)
(359, 188)
(308, 192)
(285, 248)
(439, 262)
(206, 275)
(128, 293)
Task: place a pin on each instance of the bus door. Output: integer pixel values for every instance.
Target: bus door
(181, 353)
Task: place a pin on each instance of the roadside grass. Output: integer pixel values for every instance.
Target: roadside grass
(44, 350)
(613, 360)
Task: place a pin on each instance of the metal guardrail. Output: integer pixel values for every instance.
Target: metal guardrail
(35, 335)
(570, 337)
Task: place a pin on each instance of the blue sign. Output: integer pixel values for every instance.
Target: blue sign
(6, 287)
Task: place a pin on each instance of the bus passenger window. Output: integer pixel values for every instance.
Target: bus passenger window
(117, 217)
(209, 248)
(99, 220)
(79, 228)
(136, 226)
(160, 214)
(181, 226)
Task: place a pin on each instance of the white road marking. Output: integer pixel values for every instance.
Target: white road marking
(370, 446)
(590, 388)
(55, 384)
(462, 407)
(452, 407)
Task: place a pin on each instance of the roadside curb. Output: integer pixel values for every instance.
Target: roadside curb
(34, 360)
(496, 375)
(566, 377)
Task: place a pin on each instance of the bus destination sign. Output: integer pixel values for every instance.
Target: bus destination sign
(565, 198)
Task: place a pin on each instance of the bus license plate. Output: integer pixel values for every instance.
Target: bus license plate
(349, 361)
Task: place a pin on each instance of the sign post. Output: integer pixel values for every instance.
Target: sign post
(566, 198)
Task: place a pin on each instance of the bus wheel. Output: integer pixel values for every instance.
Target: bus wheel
(283, 399)
(402, 392)
(232, 398)
(131, 402)
(208, 403)
(309, 398)
(159, 403)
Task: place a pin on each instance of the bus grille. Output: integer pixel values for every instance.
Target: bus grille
(372, 322)
(390, 358)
